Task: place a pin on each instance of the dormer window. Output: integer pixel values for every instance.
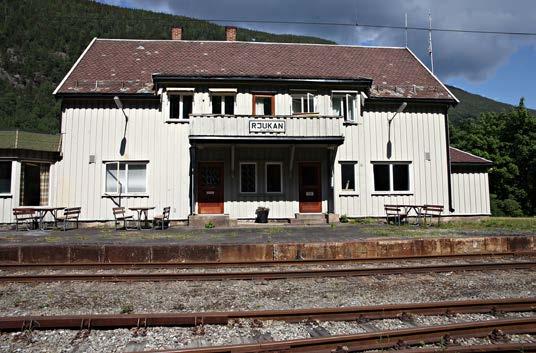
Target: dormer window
(180, 105)
(344, 104)
(303, 103)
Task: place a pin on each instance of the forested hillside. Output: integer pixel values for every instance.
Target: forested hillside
(41, 39)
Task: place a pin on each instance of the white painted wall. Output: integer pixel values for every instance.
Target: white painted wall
(470, 193)
(8, 201)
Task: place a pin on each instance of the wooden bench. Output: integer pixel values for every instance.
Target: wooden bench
(25, 216)
(162, 218)
(432, 211)
(395, 213)
(120, 217)
(70, 214)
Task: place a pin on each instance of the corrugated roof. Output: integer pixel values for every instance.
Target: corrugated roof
(23, 140)
(127, 66)
(458, 156)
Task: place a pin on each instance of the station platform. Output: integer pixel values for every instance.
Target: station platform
(253, 243)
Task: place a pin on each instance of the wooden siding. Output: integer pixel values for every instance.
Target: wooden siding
(96, 128)
(238, 126)
(470, 193)
(7, 202)
(419, 129)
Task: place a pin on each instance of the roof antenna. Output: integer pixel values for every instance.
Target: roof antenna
(406, 29)
(430, 51)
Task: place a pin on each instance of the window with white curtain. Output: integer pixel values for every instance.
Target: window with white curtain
(263, 104)
(126, 177)
(344, 105)
(303, 103)
(5, 177)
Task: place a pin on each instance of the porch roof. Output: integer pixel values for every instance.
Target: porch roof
(30, 141)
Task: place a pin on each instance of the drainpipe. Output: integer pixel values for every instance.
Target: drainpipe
(451, 209)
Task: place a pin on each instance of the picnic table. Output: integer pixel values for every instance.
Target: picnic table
(142, 210)
(42, 212)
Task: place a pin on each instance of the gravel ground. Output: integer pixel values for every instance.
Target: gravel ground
(106, 297)
(240, 331)
(347, 265)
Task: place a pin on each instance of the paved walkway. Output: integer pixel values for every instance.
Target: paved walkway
(239, 235)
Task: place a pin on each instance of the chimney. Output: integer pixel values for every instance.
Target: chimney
(176, 33)
(230, 34)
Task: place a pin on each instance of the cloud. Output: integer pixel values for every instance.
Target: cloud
(474, 57)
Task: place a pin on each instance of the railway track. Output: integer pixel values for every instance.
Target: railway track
(266, 275)
(379, 340)
(498, 348)
(493, 306)
(187, 265)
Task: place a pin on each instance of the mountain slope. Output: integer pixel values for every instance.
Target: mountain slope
(471, 105)
(41, 39)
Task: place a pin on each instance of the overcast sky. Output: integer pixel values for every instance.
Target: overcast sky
(502, 67)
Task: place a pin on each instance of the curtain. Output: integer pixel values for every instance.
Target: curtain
(259, 106)
(44, 172)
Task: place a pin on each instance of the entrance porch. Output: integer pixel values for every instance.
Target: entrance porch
(235, 179)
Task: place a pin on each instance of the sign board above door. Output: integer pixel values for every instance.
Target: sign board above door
(266, 126)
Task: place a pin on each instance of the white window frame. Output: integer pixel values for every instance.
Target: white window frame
(355, 105)
(181, 94)
(222, 94)
(280, 164)
(355, 189)
(304, 98)
(126, 193)
(10, 192)
(240, 178)
(391, 190)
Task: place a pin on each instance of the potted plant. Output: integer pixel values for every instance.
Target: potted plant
(262, 214)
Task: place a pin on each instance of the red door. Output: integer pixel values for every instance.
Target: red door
(210, 187)
(310, 188)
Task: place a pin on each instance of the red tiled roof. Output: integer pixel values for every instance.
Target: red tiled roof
(461, 157)
(127, 66)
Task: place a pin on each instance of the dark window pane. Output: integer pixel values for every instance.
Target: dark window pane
(174, 102)
(216, 105)
(267, 102)
(309, 175)
(187, 106)
(273, 178)
(381, 177)
(5, 177)
(229, 105)
(348, 176)
(296, 105)
(401, 177)
(247, 178)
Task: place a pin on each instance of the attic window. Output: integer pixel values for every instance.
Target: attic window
(180, 106)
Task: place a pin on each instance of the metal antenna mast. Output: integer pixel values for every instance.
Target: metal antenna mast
(406, 33)
(430, 50)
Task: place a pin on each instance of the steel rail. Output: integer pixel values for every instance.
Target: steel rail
(479, 348)
(266, 275)
(267, 263)
(494, 306)
(375, 340)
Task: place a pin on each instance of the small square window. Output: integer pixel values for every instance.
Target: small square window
(248, 178)
(263, 105)
(303, 103)
(344, 105)
(223, 104)
(348, 176)
(180, 106)
(400, 177)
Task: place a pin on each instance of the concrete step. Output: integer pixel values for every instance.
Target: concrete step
(309, 218)
(218, 220)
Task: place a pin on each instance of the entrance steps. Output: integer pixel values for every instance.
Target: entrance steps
(211, 220)
(309, 218)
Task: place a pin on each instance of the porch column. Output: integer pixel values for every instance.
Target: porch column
(193, 162)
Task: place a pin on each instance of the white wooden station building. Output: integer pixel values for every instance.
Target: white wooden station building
(224, 127)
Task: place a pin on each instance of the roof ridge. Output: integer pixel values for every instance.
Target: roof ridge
(249, 42)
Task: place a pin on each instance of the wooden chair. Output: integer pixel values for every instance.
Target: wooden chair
(70, 214)
(395, 213)
(26, 216)
(162, 218)
(120, 217)
(432, 211)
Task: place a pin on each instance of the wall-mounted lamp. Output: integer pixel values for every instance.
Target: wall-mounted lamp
(119, 105)
(389, 144)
